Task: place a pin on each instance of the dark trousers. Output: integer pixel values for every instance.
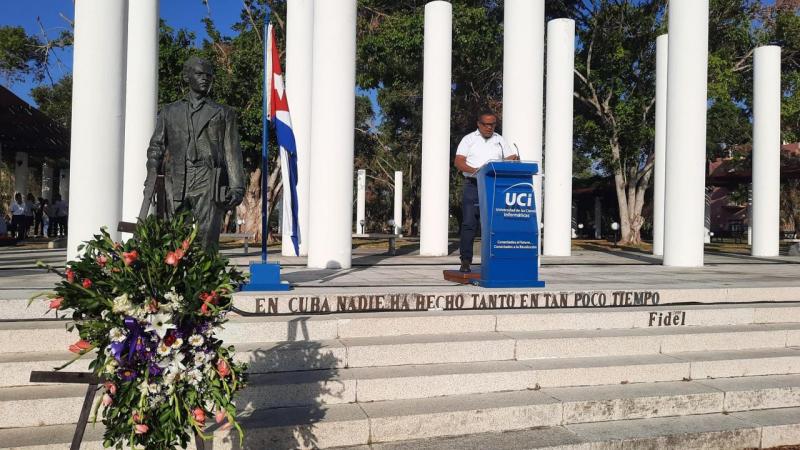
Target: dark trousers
(199, 199)
(470, 217)
(20, 225)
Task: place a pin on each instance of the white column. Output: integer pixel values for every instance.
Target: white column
(659, 168)
(398, 202)
(686, 133)
(333, 87)
(21, 173)
(436, 94)
(558, 138)
(766, 150)
(141, 101)
(361, 201)
(47, 182)
(523, 81)
(63, 184)
(98, 109)
(299, 51)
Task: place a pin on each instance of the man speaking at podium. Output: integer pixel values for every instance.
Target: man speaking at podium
(475, 150)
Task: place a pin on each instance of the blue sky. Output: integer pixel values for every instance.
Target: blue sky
(177, 13)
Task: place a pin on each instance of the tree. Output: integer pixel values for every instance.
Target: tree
(20, 55)
(56, 100)
(615, 89)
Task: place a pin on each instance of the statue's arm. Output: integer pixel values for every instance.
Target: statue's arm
(156, 149)
(233, 158)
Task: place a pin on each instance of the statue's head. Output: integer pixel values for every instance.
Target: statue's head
(198, 73)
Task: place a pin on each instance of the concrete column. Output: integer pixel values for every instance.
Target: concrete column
(361, 201)
(63, 184)
(686, 133)
(141, 101)
(660, 166)
(558, 138)
(523, 81)
(299, 51)
(598, 218)
(333, 85)
(47, 182)
(436, 95)
(766, 150)
(98, 113)
(21, 173)
(398, 202)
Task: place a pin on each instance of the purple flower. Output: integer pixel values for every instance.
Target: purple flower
(154, 370)
(127, 374)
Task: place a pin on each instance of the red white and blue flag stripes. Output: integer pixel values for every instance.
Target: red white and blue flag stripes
(278, 114)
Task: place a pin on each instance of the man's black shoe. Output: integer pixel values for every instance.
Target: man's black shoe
(464, 267)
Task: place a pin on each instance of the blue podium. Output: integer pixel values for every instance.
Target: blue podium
(509, 226)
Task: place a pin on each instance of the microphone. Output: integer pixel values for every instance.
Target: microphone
(502, 154)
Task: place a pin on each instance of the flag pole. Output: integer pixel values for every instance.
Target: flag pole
(264, 144)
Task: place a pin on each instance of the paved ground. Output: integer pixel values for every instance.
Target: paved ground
(592, 266)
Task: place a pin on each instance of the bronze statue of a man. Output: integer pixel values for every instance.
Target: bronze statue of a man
(196, 146)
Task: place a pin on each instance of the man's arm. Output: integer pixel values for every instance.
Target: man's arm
(233, 160)
(461, 164)
(155, 157)
(513, 152)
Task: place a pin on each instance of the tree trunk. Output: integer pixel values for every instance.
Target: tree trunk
(250, 208)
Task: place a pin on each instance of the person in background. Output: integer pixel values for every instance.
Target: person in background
(30, 208)
(59, 217)
(37, 218)
(44, 214)
(18, 217)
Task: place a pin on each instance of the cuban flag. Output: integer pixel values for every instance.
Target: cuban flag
(278, 114)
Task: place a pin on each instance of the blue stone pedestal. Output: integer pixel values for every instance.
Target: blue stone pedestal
(266, 277)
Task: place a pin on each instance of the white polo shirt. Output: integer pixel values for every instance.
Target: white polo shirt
(479, 150)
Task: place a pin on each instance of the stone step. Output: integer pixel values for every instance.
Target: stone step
(336, 326)
(475, 347)
(314, 335)
(503, 421)
(626, 398)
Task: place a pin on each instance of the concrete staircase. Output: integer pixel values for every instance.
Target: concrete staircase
(719, 376)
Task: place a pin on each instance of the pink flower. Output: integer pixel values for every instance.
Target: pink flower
(87, 283)
(152, 306)
(137, 417)
(204, 309)
(199, 415)
(130, 257)
(107, 400)
(225, 427)
(140, 428)
(223, 368)
(70, 275)
(111, 388)
(185, 245)
(219, 417)
(171, 259)
(102, 260)
(56, 303)
(80, 346)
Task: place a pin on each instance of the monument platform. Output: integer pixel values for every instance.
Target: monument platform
(712, 362)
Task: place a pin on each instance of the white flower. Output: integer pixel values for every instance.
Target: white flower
(194, 377)
(143, 387)
(117, 335)
(160, 323)
(199, 359)
(163, 350)
(157, 399)
(153, 388)
(196, 340)
(168, 379)
(177, 344)
(122, 305)
(173, 297)
(111, 365)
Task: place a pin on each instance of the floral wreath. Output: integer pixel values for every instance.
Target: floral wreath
(148, 310)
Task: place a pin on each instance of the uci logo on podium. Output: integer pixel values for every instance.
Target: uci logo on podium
(522, 199)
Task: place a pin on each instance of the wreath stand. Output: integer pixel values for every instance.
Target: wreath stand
(40, 376)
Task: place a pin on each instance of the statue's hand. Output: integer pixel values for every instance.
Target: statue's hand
(234, 198)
